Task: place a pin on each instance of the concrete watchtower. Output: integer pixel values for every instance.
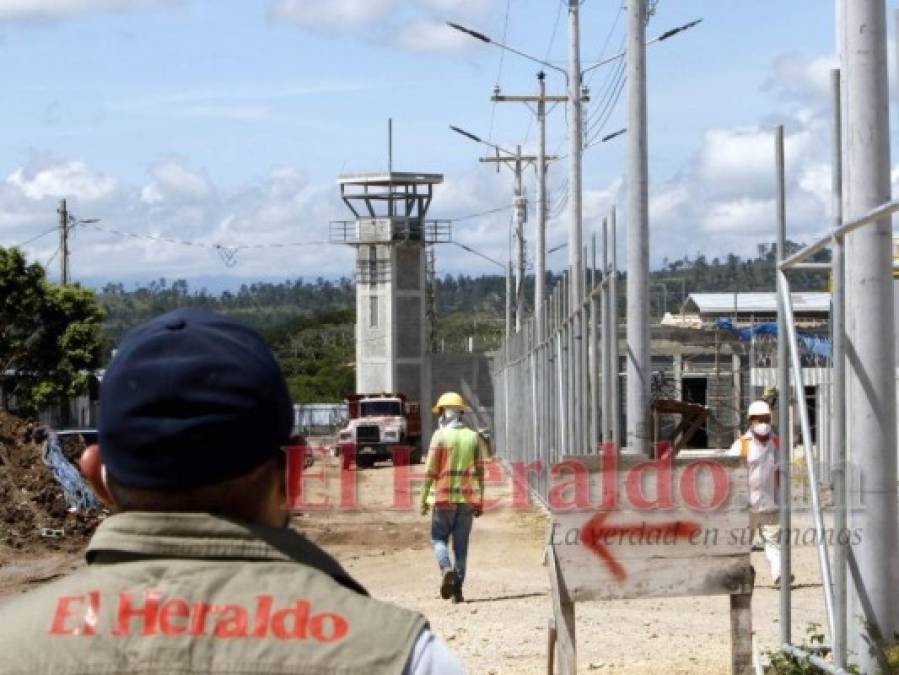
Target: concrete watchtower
(390, 234)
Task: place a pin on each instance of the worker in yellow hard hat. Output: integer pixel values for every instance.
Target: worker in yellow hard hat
(455, 471)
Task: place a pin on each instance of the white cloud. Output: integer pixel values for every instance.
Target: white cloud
(741, 160)
(741, 215)
(413, 25)
(331, 15)
(58, 9)
(70, 179)
(429, 35)
(799, 77)
(173, 182)
(144, 231)
(466, 7)
(724, 201)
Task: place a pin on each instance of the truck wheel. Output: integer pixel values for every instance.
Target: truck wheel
(364, 461)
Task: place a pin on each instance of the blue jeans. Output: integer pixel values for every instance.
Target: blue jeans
(452, 521)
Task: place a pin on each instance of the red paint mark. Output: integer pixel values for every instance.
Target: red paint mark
(595, 536)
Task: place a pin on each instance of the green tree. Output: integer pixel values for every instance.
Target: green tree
(50, 336)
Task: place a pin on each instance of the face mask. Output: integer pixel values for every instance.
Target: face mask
(450, 415)
(761, 428)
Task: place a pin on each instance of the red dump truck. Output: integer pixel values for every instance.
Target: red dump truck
(378, 425)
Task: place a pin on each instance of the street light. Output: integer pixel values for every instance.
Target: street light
(479, 254)
(516, 161)
(483, 38)
(573, 78)
(508, 272)
(488, 40)
(478, 139)
(556, 248)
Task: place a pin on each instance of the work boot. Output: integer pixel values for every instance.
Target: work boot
(457, 597)
(448, 583)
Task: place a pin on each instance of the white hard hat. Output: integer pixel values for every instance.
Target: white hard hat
(758, 408)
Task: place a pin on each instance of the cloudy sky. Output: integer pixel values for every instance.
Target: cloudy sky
(226, 122)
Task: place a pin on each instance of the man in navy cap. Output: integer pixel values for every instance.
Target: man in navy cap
(197, 571)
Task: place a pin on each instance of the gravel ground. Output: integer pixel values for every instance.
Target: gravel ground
(502, 626)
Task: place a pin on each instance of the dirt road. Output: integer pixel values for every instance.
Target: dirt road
(501, 628)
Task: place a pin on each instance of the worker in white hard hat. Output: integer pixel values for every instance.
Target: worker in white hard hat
(455, 471)
(760, 448)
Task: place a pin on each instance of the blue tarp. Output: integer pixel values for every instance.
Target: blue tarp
(811, 344)
(77, 492)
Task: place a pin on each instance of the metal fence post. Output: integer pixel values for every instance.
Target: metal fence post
(613, 343)
(606, 403)
(838, 388)
(783, 394)
(594, 351)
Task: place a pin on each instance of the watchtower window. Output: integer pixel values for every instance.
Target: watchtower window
(373, 311)
(373, 267)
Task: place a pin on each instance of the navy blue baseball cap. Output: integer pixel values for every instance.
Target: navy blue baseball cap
(191, 398)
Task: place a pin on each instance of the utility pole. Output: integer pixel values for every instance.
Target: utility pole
(871, 382)
(575, 235)
(516, 162)
(541, 162)
(638, 344)
(63, 242)
(575, 148)
(508, 304)
(520, 206)
(540, 274)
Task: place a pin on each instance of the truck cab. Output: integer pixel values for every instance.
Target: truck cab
(379, 424)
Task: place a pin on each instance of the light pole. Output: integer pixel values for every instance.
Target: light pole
(638, 240)
(507, 271)
(542, 162)
(575, 98)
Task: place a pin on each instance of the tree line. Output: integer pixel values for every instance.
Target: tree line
(50, 335)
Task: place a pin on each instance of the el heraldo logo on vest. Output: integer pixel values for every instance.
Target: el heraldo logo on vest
(154, 614)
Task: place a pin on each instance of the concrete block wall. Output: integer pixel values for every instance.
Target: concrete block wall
(468, 374)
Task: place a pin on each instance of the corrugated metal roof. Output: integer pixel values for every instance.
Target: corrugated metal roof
(709, 303)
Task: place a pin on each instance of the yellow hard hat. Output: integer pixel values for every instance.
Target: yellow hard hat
(449, 400)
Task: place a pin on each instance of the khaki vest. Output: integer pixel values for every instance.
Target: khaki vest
(191, 592)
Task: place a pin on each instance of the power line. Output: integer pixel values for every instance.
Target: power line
(36, 237)
(482, 213)
(479, 254)
(52, 257)
(608, 87)
(601, 121)
(602, 52)
(499, 71)
(552, 40)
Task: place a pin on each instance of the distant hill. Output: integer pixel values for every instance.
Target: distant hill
(310, 325)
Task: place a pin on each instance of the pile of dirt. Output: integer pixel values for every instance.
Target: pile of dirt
(31, 501)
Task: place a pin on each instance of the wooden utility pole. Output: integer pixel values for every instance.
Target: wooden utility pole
(541, 161)
(63, 242)
(517, 162)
